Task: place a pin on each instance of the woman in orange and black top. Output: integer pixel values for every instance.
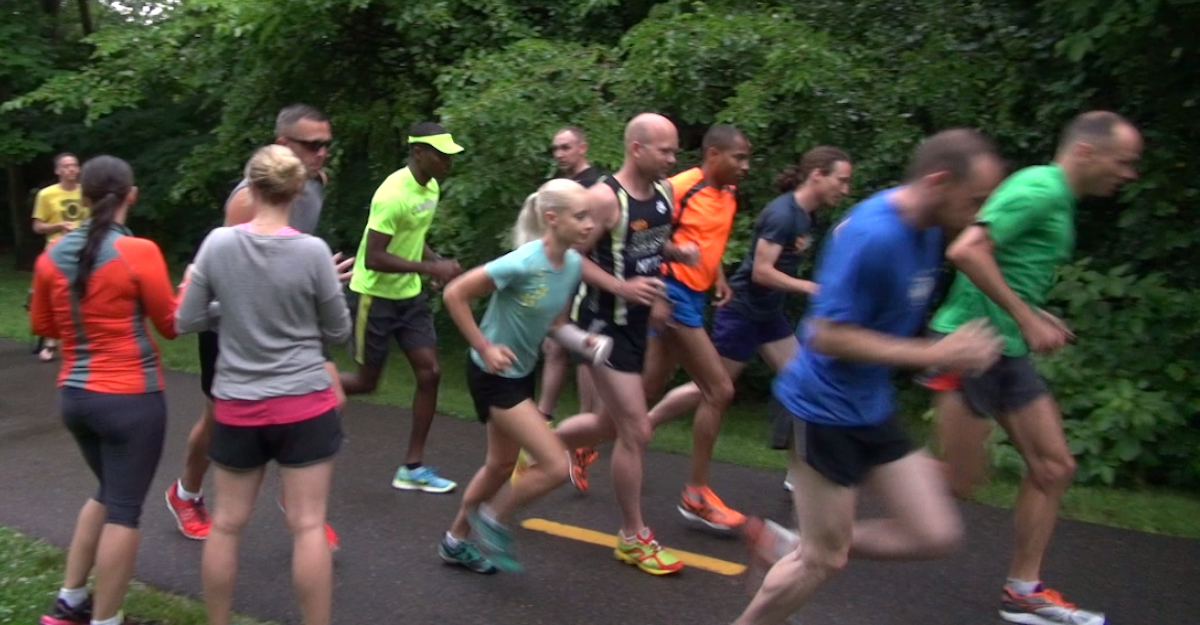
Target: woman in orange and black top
(93, 291)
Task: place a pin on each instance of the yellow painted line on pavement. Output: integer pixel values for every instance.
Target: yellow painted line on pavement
(581, 534)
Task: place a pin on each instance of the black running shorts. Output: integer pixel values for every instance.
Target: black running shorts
(489, 390)
(378, 320)
(241, 448)
(845, 455)
(1008, 386)
(210, 348)
(629, 341)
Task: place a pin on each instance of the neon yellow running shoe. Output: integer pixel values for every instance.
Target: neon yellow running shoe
(645, 553)
(523, 459)
(523, 464)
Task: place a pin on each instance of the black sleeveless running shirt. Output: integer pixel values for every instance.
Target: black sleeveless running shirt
(633, 247)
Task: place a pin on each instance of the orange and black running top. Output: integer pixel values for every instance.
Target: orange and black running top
(106, 343)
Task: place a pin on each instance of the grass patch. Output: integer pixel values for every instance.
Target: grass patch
(744, 431)
(31, 574)
(1157, 511)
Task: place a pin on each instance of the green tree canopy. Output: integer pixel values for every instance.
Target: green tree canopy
(186, 90)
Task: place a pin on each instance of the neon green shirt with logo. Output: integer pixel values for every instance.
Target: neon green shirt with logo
(403, 209)
(1031, 220)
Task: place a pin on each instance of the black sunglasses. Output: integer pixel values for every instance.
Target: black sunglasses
(314, 146)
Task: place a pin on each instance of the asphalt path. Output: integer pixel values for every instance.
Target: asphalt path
(388, 571)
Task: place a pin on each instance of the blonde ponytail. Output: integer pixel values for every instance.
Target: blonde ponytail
(554, 197)
(529, 226)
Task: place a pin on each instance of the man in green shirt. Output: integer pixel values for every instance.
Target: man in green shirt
(1006, 262)
(388, 299)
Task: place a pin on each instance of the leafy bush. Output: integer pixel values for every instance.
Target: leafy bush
(1129, 388)
(188, 92)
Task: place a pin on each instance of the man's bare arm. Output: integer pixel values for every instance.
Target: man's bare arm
(240, 208)
(846, 341)
(971, 253)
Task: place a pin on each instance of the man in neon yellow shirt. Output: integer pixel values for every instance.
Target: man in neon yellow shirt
(58, 210)
(388, 300)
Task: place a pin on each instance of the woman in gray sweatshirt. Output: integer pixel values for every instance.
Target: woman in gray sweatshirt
(280, 302)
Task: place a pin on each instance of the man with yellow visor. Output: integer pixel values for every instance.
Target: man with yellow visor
(387, 299)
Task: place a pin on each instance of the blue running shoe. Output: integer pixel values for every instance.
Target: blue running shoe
(422, 478)
(466, 555)
(495, 540)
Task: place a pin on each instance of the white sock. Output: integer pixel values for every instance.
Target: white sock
(184, 494)
(642, 533)
(73, 596)
(116, 620)
(1022, 587)
(451, 541)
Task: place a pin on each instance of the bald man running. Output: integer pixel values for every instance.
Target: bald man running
(625, 253)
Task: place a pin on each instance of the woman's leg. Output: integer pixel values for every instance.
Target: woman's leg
(497, 468)
(234, 495)
(307, 492)
(523, 425)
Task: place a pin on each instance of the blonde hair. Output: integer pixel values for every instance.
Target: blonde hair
(554, 196)
(275, 174)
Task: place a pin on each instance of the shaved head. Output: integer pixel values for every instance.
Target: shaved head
(651, 142)
(647, 127)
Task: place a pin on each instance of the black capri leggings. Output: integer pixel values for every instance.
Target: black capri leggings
(121, 437)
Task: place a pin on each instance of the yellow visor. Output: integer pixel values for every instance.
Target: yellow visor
(443, 143)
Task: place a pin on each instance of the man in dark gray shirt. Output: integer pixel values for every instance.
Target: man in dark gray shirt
(569, 147)
(307, 132)
(570, 154)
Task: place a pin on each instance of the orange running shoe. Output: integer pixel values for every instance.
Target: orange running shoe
(1045, 607)
(703, 505)
(580, 459)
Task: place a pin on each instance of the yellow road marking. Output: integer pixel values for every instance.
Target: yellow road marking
(610, 540)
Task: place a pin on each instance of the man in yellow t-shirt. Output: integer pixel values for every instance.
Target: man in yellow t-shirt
(59, 207)
(58, 210)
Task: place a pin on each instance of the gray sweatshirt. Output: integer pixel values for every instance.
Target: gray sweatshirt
(280, 301)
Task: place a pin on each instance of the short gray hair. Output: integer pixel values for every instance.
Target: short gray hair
(291, 115)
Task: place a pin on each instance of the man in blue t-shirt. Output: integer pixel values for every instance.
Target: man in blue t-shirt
(877, 272)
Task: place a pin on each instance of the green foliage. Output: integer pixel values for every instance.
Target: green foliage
(26, 61)
(1130, 387)
(507, 105)
(187, 93)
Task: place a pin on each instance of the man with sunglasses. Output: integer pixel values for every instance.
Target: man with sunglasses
(307, 132)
